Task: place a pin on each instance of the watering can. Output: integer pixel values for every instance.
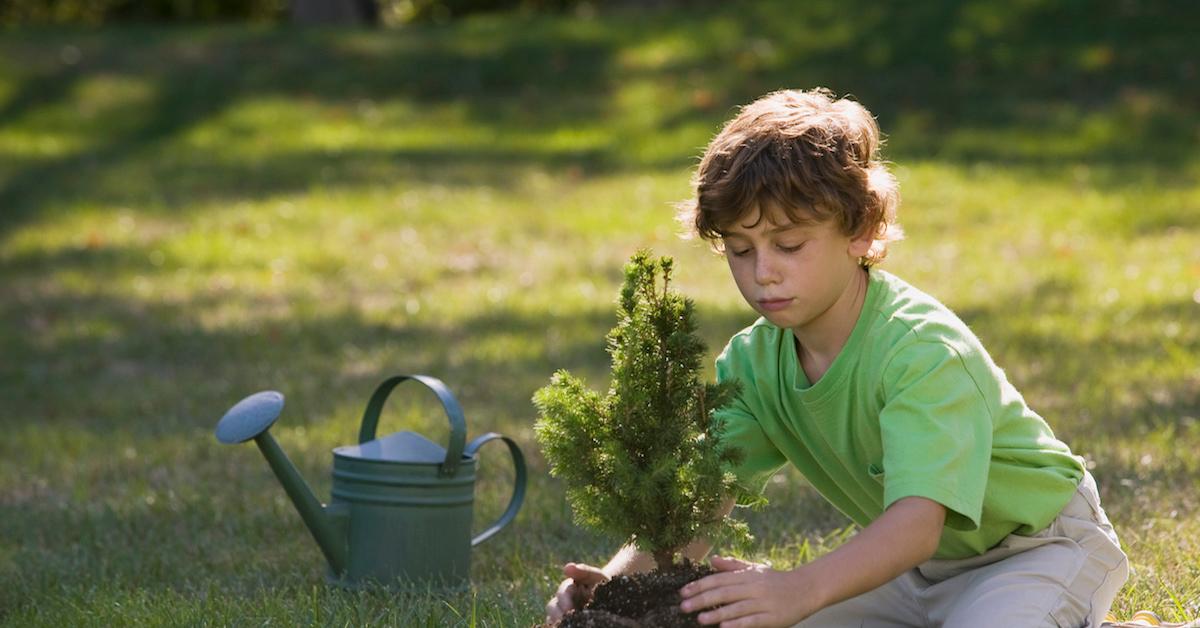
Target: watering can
(400, 512)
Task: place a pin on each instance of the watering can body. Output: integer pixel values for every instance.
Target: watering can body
(402, 506)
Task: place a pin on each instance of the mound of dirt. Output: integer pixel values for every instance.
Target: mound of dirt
(641, 600)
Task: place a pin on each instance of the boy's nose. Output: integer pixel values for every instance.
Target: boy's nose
(765, 271)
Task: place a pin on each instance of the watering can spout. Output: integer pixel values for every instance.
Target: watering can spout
(251, 418)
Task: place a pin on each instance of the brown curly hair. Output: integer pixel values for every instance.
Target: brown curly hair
(807, 152)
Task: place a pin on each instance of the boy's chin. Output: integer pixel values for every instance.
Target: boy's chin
(778, 319)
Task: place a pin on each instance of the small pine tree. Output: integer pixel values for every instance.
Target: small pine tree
(646, 461)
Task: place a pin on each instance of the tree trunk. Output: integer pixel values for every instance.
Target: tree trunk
(664, 559)
(324, 12)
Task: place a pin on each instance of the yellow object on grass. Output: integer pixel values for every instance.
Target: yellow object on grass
(1141, 619)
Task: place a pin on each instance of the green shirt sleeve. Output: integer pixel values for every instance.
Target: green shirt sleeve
(936, 431)
(760, 459)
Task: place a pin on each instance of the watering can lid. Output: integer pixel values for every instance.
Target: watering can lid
(408, 447)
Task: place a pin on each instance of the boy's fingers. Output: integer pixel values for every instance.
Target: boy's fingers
(580, 596)
(718, 580)
(559, 604)
(713, 598)
(575, 591)
(697, 587)
(569, 596)
(568, 599)
(553, 611)
(585, 575)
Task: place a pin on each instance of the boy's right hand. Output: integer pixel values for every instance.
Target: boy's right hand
(575, 591)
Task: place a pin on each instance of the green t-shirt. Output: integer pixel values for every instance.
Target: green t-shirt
(912, 406)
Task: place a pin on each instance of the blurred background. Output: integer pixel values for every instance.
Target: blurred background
(364, 12)
(203, 199)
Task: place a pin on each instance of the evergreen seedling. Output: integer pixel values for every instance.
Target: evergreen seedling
(644, 462)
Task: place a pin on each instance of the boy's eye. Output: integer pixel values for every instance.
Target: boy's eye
(791, 249)
(739, 252)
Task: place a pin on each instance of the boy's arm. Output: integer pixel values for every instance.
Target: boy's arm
(905, 536)
(582, 579)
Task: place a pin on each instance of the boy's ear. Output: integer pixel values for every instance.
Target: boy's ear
(860, 244)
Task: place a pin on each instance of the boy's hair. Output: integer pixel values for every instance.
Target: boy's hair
(812, 155)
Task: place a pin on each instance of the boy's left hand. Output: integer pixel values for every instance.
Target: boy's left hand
(748, 594)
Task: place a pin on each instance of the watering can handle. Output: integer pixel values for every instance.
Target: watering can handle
(458, 425)
(518, 496)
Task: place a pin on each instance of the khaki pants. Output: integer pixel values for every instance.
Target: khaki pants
(1066, 575)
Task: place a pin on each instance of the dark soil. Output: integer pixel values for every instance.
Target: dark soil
(642, 600)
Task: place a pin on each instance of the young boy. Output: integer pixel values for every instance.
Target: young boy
(972, 512)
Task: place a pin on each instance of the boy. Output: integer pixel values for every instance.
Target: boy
(972, 513)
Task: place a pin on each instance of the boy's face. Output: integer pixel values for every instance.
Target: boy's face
(792, 273)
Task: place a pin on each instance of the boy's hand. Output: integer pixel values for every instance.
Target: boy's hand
(575, 591)
(748, 594)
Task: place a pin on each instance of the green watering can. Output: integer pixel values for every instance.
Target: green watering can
(401, 507)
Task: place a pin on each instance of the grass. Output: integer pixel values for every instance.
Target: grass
(189, 215)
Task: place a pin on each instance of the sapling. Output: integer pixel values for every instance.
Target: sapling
(645, 462)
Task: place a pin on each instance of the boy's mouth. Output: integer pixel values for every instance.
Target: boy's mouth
(774, 305)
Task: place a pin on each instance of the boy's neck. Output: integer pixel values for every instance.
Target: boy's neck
(819, 342)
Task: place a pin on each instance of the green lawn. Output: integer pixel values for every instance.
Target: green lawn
(190, 215)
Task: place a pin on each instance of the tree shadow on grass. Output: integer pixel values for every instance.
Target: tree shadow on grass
(1036, 85)
(1108, 84)
(202, 76)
